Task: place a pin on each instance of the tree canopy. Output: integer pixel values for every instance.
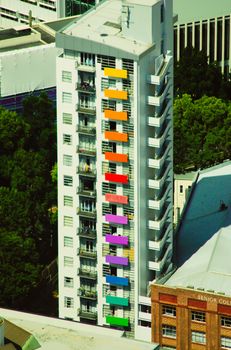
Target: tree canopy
(202, 132)
(27, 233)
(195, 76)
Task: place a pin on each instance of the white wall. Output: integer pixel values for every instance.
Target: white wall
(28, 69)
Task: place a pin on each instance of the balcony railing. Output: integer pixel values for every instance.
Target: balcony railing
(86, 192)
(87, 253)
(88, 130)
(90, 315)
(86, 213)
(86, 171)
(86, 232)
(87, 151)
(87, 294)
(85, 87)
(92, 275)
(88, 109)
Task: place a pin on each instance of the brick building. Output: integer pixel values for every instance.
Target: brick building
(186, 319)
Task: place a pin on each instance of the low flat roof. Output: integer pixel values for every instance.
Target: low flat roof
(57, 334)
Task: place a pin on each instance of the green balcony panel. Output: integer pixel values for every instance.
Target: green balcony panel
(117, 321)
(116, 300)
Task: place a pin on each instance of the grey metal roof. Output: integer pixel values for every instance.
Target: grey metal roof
(204, 240)
(210, 267)
(203, 216)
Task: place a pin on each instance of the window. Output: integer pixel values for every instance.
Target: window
(168, 331)
(67, 118)
(68, 302)
(66, 97)
(68, 242)
(68, 261)
(68, 201)
(225, 343)
(68, 282)
(67, 160)
(68, 180)
(225, 321)
(198, 337)
(67, 139)
(68, 221)
(168, 310)
(66, 76)
(162, 13)
(198, 316)
(181, 188)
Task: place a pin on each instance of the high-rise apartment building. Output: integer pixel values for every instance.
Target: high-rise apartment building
(114, 114)
(17, 12)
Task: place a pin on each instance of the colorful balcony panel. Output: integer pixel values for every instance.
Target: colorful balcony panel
(116, 136)
(117, 281)
(117, 260)
(116, 73)
(116, 178)
(116, 219)
(123, 240)
(116, 157)
(116, 300)
(115, 115)
(117, 94)
(117, 321)
(116, 198)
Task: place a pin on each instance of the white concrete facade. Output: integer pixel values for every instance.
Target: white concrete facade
(206, 26)
(114, 114)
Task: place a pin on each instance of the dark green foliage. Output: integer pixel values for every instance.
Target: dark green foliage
(27, 194)
(202, 132)
(193, 75)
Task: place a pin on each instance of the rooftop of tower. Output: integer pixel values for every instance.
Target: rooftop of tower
(123, 25)
(57, 334)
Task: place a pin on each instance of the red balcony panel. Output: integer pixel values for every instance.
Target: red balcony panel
(116, 178)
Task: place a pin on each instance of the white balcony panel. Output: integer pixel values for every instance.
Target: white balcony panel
(157, 163)
(158, 78)
(157, 224)
(158, 141)
(157, 184)
(158, 245)
(158, 100)
(145, 316)
(158, 265)
(158, 204)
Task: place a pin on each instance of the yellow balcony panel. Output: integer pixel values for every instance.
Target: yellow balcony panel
(109, 114)
(118, 94)
(116, 136)
(116, 73)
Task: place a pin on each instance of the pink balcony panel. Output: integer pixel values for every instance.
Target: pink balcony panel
(123, 240)
(116, 198)
(117, 260)
(116, 219)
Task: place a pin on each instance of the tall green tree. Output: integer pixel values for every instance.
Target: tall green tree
(202, 131)
(195, 76)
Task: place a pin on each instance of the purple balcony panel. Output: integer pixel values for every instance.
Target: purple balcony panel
(116, 219)
(117, 239)
(118, 260)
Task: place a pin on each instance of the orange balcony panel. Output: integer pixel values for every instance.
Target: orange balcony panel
(115, 198)
(116, 73)
(119, 94)
(115, 115)
(116, 157)
(116, 136)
